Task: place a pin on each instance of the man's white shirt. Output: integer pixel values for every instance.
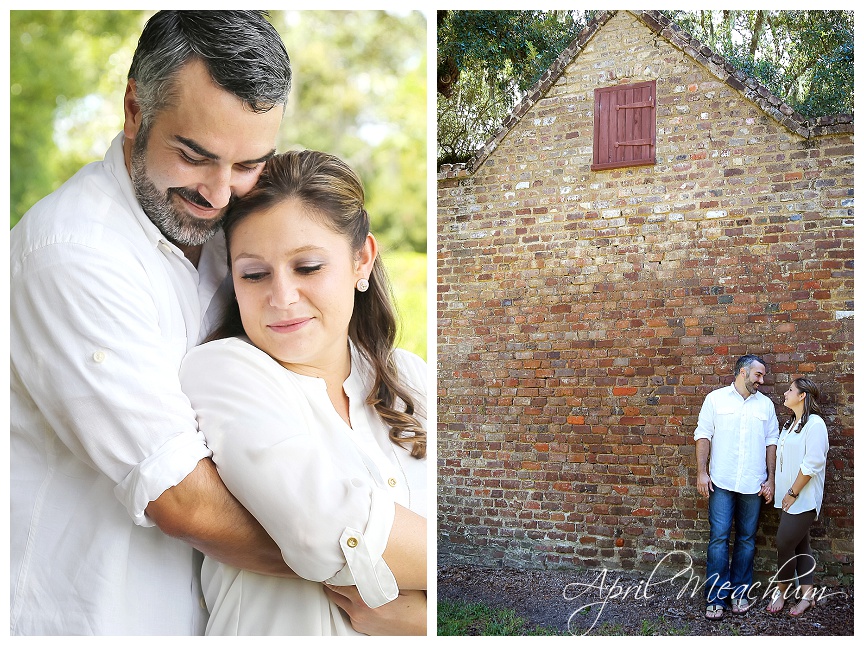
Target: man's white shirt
(103, 309)
(739, 431)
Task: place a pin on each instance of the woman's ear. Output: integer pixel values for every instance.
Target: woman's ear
(366, 257)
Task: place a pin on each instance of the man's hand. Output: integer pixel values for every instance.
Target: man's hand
(703, 484)
(405, 615)
(767, 490)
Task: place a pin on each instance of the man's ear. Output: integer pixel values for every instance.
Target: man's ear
(131, 111)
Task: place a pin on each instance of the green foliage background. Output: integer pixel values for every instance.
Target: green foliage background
(359, 92)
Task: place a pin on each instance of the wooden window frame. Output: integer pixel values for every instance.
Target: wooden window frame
(634, 126)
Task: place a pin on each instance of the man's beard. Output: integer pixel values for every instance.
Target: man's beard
(172, 220)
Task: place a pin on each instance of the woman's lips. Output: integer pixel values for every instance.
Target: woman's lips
(284, 327)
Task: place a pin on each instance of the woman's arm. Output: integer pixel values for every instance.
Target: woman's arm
(330, 522)
(405, 553)
(797, 486)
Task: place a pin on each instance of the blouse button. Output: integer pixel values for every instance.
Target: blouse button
(98, 356)
(392, 482)
(352, 542)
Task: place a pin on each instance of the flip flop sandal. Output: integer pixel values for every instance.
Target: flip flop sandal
(714, 611)
(740, 605)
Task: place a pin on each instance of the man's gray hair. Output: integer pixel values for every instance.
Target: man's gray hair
(745, 361)
(242, 52)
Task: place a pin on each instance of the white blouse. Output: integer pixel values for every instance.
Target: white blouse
(806, 451)
(324, 491)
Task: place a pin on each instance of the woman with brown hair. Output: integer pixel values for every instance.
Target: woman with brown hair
(802, 451)
(316, 421)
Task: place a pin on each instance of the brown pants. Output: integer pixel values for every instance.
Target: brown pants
(793, 547)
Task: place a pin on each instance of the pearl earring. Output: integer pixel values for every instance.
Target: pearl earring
(362, 285)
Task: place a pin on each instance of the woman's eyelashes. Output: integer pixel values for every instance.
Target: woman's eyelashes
(255, 275)
(309, 269)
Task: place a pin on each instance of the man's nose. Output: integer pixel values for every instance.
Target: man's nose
(216, 189)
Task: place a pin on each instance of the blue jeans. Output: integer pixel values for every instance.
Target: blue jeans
(724, 507)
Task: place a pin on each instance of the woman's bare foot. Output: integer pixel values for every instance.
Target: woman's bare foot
(775, 605)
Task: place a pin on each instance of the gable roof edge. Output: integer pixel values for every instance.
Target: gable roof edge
(748, 86)
(534, 94)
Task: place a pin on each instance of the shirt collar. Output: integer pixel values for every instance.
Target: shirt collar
(733, 392)
(116, 164)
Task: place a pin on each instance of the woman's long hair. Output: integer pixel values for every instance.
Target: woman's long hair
(330, 190)
(811, 402)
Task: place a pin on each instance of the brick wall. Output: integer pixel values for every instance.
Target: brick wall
(583, 316)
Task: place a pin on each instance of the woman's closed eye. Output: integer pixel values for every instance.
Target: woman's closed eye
(254, 276)
(309, 269)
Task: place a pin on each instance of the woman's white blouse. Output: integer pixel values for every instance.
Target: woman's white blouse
(806, 451)
(324, 491)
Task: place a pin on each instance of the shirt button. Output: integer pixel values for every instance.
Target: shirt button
(98, 356)
(352, 542)
(392, 482)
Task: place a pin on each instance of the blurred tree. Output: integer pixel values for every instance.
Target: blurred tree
(61, 64)
(358, 92)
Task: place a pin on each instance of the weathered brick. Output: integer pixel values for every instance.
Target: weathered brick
(583, 316)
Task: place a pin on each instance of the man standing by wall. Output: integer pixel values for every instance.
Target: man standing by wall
(113, 278)
(738, 429)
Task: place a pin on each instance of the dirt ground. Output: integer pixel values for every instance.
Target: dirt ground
(572, 602)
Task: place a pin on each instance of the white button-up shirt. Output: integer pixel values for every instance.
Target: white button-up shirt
(739, 431)
(103, 309)
(805, 451)
(324, 491)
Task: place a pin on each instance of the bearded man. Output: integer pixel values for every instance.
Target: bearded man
(738, 430)
(114, 277)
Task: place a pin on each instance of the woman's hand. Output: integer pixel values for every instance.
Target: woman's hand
(787, 502)
(405, 615)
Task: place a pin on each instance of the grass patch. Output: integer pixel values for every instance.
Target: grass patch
(407, 272)
(648, 627)
(478, 619)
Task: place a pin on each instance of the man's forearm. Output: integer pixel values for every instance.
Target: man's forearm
(703, 449)
(771, 460)
(202, 512)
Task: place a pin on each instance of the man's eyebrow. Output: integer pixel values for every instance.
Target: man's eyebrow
(196, 147)
(200, 150)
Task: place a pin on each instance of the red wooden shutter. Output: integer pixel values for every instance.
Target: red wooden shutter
(625, 125)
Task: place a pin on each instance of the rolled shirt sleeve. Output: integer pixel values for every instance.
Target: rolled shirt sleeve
(705, 426)
(288, 457)
(772, 426)
(99, 357)
(815, 448)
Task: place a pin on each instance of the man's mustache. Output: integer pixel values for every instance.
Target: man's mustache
(193, 196)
